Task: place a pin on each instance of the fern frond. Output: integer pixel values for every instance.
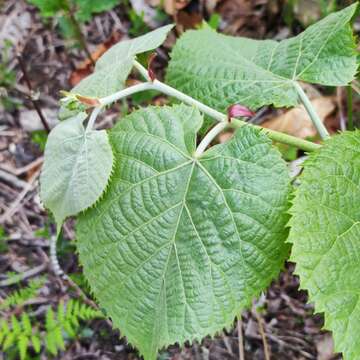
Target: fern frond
(22, 344)
(19, 297)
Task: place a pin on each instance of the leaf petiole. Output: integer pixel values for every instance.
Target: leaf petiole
(209, 137)
(311, 111)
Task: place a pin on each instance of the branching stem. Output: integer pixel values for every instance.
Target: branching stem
(311, 111)
(222, 118)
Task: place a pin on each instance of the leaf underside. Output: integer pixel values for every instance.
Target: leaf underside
(325, 232)
(76, 169)
(221, 70)
(178, 246)
(113, 68)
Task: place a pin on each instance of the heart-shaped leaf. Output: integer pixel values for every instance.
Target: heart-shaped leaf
(222, 70)
(114, 66)
(76, 169)
(325, 232)
(179, 245)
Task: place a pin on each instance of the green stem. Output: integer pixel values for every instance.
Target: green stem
(210, 136)
(311, 111)
(222, 118)
(350, 123)
(280, 137)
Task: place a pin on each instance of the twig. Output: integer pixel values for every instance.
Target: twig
(240, 339)
(15, 205)
(31, 96)
(24, 169)
(80, 36)
(262, 333)
(23, 276)
(290, 346)
(12, 179)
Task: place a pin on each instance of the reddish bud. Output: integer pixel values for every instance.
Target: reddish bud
(87, 100)
(151, 72)
(238, 110)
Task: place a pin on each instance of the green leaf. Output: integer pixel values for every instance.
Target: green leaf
(26, 324)
(325, 232)
(178, 246)
(50, 325)
(4, 330)
(76, 169)
(58, 337)
(86, 8)
(49, 8)
(9, 341)
(36, 343)
(221, 70)
(16, 327)
(113, 68)
(22, 343)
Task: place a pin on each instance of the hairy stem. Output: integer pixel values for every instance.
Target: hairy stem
(280, 137)
(126, 92)
(53, 256)
(240, 338)
(209, 137)
(93, 117)
(170, 91)
(311, 111)
(349, 96)
(143, 72)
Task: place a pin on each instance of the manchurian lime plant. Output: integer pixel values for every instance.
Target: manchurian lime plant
(176, 238)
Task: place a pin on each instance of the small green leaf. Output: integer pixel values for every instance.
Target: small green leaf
(77, 168)
(58, 337)
(4, 330)
(9, 341)
(325, 232)
(22, 343)
(26, 324)
(50, 343)
(179, 245)
(221, 70)
(50, 322)
(50, 325)
(16, 327)
(36, 343)
(113, 68)
(86, 8)
(50, 8)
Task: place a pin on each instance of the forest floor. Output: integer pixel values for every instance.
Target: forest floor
(36, 53)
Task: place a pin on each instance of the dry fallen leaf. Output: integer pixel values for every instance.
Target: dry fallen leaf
(325, 347)
(297, 122)
(85, 68)
(171, 7)
(186, 21)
